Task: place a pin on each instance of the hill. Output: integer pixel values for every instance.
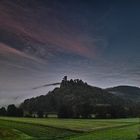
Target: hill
(126, 92)
(75, 98)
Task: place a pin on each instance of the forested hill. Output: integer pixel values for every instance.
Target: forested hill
(74, 99)
(126, 92)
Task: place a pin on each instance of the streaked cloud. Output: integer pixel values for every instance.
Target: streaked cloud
(43, 26)
(11, 52)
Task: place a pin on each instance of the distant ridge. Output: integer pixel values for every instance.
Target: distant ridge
(126, 92)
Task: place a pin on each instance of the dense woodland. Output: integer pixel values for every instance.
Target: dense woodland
(77, 99)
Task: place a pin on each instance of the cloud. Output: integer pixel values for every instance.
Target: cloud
(8, 51)
(47, 85)
(43, 26)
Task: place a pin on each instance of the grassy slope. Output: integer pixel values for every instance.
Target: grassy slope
(12, 134)
(75, 124)
(122, 133)
(45, 129)
(36, 131)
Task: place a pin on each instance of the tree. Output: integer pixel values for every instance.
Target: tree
(19, 112)
(40, 114)
(102, 111)
(65, 111)
(3, 111)
(86, 110)
(118, 111)
(12, 110)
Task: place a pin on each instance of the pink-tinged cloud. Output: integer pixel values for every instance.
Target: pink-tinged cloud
(53, 30)
(7, 51)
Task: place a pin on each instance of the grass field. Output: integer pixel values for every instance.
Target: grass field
(67, 129)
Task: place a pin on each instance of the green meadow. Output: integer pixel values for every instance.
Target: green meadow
(68, 129)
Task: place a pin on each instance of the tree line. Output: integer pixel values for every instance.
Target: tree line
(11, 111)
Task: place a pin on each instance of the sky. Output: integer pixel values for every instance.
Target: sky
(41, 41)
